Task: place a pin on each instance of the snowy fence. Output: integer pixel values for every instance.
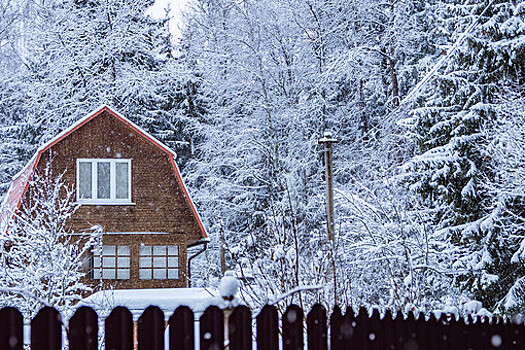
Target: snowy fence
(361, 331)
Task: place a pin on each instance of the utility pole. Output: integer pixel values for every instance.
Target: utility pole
(327, 141)
(222, 242)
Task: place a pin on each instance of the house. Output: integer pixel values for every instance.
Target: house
(127, 182)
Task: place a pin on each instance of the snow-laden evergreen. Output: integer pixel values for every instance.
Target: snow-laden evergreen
(453, 171)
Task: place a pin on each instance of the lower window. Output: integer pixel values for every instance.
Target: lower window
(111, 262)
(158, 262)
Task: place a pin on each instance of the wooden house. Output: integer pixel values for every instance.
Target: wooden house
(127, 182)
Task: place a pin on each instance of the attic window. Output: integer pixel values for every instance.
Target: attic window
(104, 181)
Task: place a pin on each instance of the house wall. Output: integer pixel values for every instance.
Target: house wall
(159, 202)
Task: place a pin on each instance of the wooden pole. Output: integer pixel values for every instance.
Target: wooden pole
(327, 141)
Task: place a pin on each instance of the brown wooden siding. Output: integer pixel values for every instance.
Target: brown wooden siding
(159, 203)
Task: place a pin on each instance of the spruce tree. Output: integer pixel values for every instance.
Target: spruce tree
(450, 167)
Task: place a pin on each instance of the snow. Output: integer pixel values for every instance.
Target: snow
(472, 306)
(484, 312)
(229, 286)
(167, 299)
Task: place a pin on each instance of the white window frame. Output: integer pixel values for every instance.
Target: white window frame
(112, 182)
(99, 267)
(151, 266)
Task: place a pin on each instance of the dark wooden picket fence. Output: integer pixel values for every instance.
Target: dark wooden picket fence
(351, 331)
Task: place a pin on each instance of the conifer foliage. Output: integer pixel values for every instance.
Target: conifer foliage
(452, 171)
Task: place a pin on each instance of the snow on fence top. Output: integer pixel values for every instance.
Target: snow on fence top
(167, 299)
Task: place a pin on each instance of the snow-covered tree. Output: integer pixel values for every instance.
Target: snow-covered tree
(275, 76)
(450, 164)
(42, 263)
(78, 55)
(506, 145)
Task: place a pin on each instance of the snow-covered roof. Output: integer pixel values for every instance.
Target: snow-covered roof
(167, 299)
(20, 184)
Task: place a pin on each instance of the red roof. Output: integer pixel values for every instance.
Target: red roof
(16, 192)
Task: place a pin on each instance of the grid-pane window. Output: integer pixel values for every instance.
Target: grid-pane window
(158, 262)
(112, 262)
(104, 181)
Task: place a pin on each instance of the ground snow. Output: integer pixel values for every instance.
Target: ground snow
(167, 299)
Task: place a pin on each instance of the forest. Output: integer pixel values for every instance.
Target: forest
(425, 98)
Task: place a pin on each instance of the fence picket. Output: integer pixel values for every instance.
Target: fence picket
(268, 328)
(336, 336)
(317, 328)
(11, 329)
(151, 328)
(182, 329)
(83, 329)
(359, 336)
(292, 324)
(240, 328)
(46, 330)
(119, 329)
(388, 340)
(212, 329)
(374, 333)
(352, 332)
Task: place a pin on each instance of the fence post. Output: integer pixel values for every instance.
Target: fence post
(317, 328)
(293, 328)
(268, 328)
(46, 330)
(11, 329)
(119, 330)
(151, 328)
(83, 329)
(182, 329)
(212, 329)
(240, 328)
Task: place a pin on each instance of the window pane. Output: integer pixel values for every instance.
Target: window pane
(159, 274)
(96, 261)
(85, 187)
(108, 250)
(173, 274)
(145, 250)
(159, 262)
(159, 250)
(123, 262)
(108, 262)
(173, 262)
(145, 274)
(108, 274)
(103, 178)
(96, 274)
(173, 250)
(122, 178)
(123, 274)
(123, 250)
(145, 262)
